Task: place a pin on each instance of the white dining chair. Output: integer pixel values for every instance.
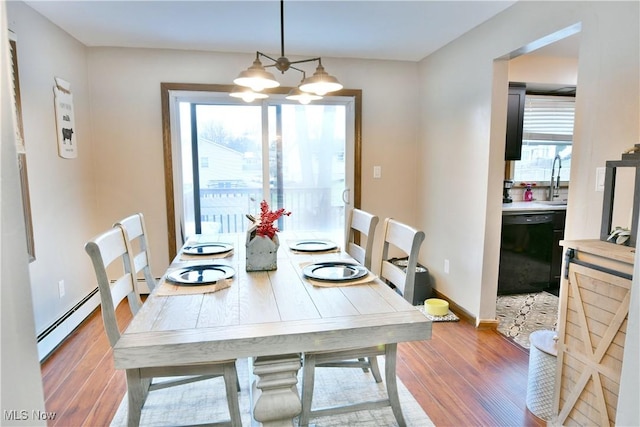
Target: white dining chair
(110, 251)
(361, 227)
(359, 239)
(406, 240)
(136, 233)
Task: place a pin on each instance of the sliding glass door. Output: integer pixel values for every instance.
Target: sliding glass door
(233, 155)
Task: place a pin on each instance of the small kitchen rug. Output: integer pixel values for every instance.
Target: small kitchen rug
(520, 315)
(449, 317)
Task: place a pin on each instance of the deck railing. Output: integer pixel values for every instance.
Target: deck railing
(224, 209)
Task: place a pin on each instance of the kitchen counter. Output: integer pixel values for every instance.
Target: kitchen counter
(533, 206)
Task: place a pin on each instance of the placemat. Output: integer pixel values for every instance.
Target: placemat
(188, 257)
(449, 317)
(329, 284)
(297, 252)
(169, 289)
(331, 251)
(370, 277)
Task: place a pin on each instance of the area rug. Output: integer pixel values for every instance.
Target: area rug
(520, 315)
(204, 401)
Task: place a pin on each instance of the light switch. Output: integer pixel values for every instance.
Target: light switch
(377, 171)
(600, 173)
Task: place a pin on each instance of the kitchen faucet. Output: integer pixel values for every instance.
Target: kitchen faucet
(554, 187)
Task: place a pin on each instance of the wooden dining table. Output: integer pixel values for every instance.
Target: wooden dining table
(269, 317)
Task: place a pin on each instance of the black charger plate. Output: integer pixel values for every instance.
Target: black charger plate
(334, 271)
(201, 274)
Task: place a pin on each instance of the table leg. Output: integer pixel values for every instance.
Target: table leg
(276, 396)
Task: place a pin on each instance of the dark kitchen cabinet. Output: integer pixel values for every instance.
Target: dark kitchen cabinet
(515, 120)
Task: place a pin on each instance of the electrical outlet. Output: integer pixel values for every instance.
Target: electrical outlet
(377, 171)
(446, 266)
(61, 288)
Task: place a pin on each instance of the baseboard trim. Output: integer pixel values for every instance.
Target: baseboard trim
(459, 311)
(487, 324)
(466, 316)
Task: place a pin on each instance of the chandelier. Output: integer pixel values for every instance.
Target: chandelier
(252, 81)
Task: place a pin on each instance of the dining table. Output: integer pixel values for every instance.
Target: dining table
(270, 318)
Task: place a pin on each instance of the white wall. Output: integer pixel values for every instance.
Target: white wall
(21, 388)
(127, 130)
(459, 210)
(63, 198)
(544, 69)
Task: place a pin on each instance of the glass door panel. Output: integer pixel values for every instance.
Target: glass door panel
(222, 158)
(307, 165)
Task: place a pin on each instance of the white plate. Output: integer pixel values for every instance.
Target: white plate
(212, 248)
(334, 271)
(313, 246)
(201, 274)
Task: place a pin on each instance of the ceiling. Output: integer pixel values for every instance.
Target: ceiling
(389, 30)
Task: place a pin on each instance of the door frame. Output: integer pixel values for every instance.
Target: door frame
(165, 95)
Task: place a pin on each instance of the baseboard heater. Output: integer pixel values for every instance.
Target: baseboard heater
(52, 337)
(65, 316)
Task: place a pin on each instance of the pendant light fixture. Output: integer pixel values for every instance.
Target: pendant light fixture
(247, 94)
(256, 78)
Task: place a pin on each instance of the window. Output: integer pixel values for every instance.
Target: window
(547, 133)
(229, 152)
(183, 101)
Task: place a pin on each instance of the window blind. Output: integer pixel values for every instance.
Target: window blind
(548, 118)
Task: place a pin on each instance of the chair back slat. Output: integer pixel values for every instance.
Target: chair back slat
(140, 261)
(408, 240)
(360, 225)
(393, 274)
(135, 232)
(358, 253)
(121, 288)
(110, 255)
(134, 226)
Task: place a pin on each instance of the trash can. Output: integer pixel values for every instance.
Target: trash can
(422, 283)
(543, 354)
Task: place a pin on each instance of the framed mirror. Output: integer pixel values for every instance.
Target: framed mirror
(621, 200)
(22, 155)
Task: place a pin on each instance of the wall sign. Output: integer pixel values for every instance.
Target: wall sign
(65, 122)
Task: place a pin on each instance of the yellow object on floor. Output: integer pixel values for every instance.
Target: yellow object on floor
(436, 307)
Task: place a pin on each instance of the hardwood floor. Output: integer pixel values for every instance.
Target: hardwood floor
(461, 377)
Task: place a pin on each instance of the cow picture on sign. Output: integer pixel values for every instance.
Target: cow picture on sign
(65, 124)
(66, 134)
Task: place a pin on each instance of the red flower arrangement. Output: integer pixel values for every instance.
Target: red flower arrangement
(266, 227)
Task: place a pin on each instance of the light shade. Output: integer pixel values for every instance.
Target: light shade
(247, 94)
(320, 83)
(256, 77)
(304, 98)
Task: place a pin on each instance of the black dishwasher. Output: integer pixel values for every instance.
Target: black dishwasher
(525, 252)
